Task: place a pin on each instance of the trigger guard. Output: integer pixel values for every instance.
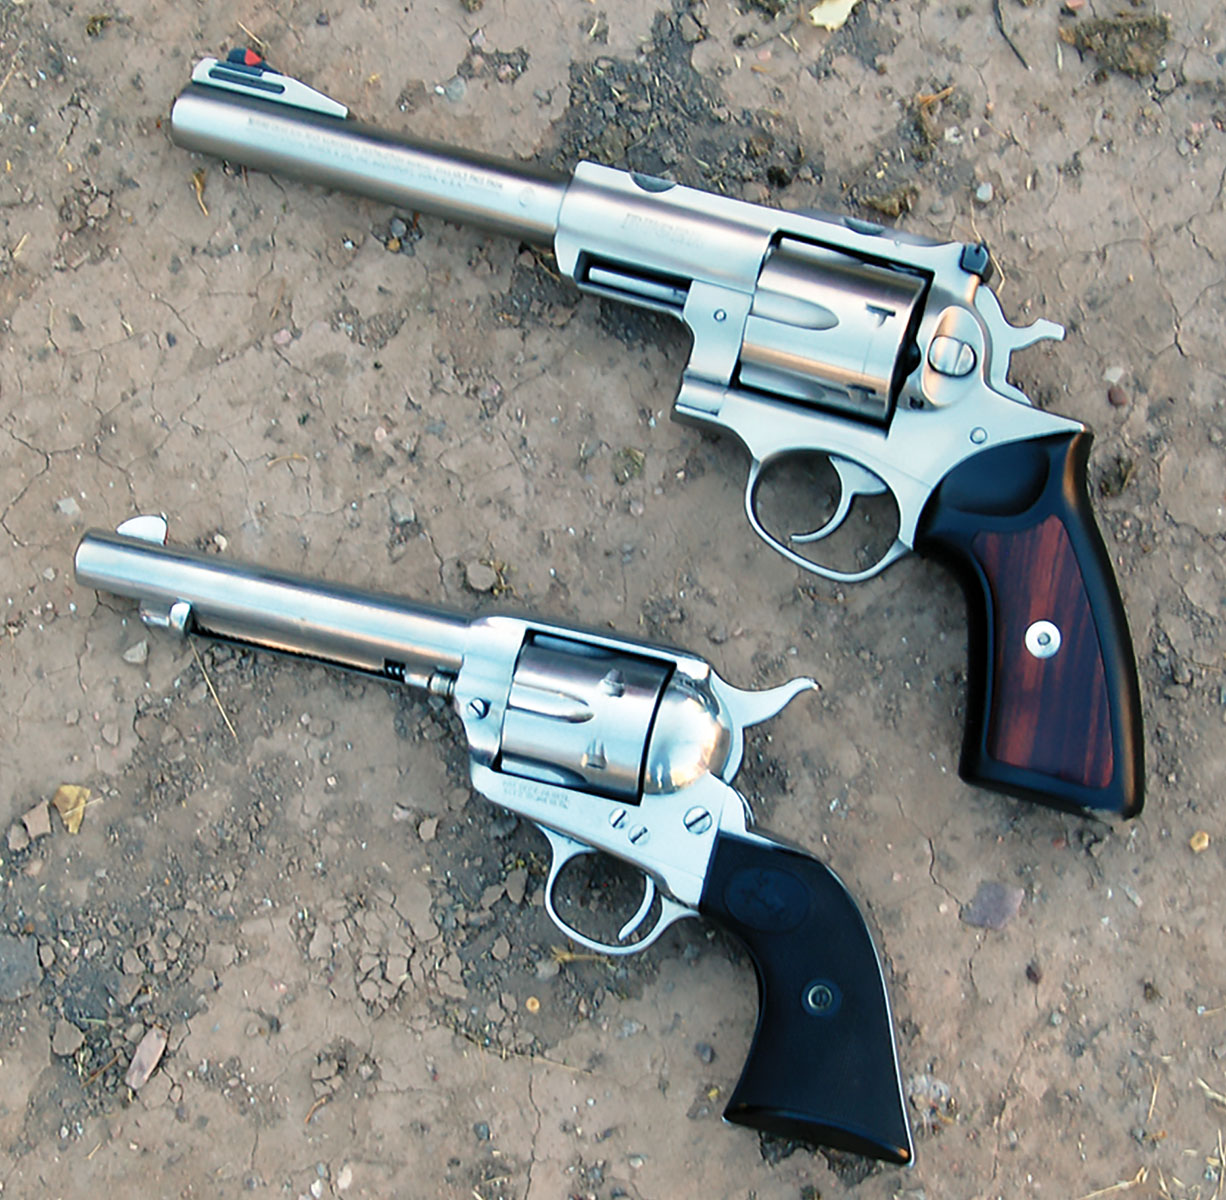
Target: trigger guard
(892, 555)
(564, 849)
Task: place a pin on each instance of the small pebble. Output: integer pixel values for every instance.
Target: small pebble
(135, 655)
(38, 821)
(1116, 396)
(984, 193)
(480, 577)
(67, 1039)
(994, 906)
(455, 88)
(482, 1130)
(400, 508)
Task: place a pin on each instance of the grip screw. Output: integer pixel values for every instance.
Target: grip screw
(821, 998)
(1043, 639)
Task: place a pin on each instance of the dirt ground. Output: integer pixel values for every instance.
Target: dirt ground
(345, 947)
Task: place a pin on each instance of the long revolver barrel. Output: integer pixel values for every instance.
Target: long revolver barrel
(605, 744)
(885, 352)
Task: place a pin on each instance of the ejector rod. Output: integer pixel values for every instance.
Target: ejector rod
(197, 593)
(339, 152)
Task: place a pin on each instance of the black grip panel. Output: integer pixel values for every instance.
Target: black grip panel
(822, 1065)
(1015, 526)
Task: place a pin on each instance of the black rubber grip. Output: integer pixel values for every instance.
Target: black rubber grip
(1053, 708)
(822, 1065)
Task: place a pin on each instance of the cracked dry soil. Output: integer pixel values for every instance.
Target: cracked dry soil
(345, 947)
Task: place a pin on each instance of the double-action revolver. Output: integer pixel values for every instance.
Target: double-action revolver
(605, 744)
(885, 352)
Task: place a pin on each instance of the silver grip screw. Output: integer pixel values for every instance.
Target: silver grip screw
(1043, 639)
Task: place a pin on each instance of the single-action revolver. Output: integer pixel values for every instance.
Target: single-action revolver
(883, 351)
(610, 745)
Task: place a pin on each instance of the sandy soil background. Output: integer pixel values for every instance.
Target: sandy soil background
(344, 946)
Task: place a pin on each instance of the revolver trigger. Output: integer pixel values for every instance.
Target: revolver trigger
(856, 481)
(649, 894)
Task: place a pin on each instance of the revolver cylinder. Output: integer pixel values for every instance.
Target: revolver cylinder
(580, 716)
(831, 330)
(610, 723)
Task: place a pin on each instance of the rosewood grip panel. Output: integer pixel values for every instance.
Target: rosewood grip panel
(822, 1065)
(1053, 706)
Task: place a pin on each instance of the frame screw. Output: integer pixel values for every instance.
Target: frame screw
(478, 707)
(697, 820)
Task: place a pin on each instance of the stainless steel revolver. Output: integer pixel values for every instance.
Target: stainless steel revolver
(883, 351)
(610, 745)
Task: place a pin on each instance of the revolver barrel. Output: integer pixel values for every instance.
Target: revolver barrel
(339, 152)
(190, 592)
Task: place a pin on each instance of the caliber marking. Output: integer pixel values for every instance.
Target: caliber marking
(672, 231)
(525, 791)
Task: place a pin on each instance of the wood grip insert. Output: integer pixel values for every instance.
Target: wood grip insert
(1053, 710)
(1049, 710)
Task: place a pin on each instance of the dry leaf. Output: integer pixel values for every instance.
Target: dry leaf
(70, 801)
(831, 14)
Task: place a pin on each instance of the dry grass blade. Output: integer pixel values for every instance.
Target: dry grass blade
(1124, 1185)
(1216, 1097)
(198, 176)
(213, 692)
